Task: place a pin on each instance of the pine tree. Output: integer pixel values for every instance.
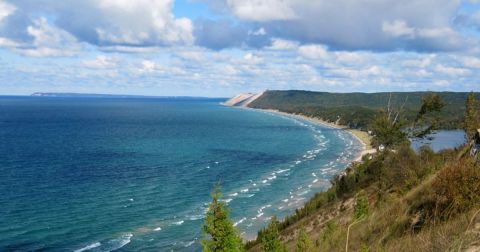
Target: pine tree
(221, 235)
(270, 238)
(361, 206)
(304, 244)
(471, 121)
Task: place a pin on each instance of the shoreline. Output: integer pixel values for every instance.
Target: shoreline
(362, 137)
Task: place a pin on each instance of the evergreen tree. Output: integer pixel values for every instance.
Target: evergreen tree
(361, 206)
(471, 121)
(270, 239)
(387, 132)
(304, 244)
(427, 118)
(221, 235)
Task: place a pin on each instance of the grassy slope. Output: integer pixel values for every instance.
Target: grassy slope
(356, 110)
(404, 208)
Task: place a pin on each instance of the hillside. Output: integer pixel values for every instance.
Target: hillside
(394, 201)
(356, 110)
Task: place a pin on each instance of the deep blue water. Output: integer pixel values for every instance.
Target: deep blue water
(136, 174)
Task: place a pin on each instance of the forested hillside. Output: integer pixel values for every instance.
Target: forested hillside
(356, 110)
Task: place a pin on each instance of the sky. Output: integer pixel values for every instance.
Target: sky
(218, 48)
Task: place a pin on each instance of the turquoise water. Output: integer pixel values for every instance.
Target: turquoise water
(135, 174)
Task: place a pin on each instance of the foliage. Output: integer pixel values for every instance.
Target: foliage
(456, 189)
(428, 116)
(304, 244)
(271, 238)
(221, 235)
(431, 102)
(471, 122)
(386, 131)
(357, 110)
(360, 209)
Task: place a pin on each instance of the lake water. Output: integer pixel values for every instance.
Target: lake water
(440, 140)
(104, 174)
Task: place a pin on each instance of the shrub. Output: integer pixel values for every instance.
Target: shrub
(360, 209)
(456, 188)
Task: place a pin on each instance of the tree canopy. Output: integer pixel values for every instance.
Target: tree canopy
(221, 236)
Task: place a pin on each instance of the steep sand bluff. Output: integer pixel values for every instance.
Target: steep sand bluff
(242, 100)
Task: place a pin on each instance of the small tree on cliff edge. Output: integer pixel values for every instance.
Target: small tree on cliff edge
(471, 122)
(304, 244)
(271, 238)
(221, 235)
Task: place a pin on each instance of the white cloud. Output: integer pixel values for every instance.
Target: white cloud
(48, 41)
(142, 21)
(262, 10)
(452, 71)
(101, 62)
(5, 10)
(398, 28)
(187, 54)
(148, 66)
(386, 25)
(259, 32)
(252, 59)
(350, 58)
(282, 44)
(315, 52)
(425, 61)
(4, 42)
(471, 62)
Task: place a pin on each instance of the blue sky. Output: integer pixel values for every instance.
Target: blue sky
(223, 47)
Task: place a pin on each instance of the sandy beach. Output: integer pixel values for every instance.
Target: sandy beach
(363, 137)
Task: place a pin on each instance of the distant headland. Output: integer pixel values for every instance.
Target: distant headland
(93, 95)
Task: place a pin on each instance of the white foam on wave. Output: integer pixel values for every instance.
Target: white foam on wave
(233, 194)
(190, 243)
(282, 171)
(89, 247)
(195, 217)
(178, 223)
(227, 200)
(244, 190)
(272, 177)
(239, 222)
(157, 229)
(303, 193)
(118, 242)
(315, 181)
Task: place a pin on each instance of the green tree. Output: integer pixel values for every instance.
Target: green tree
(304, 244)
(386, 131)
(221, 236)
(471, 120)
(360, 209)
(427, 118)
(271, 238)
